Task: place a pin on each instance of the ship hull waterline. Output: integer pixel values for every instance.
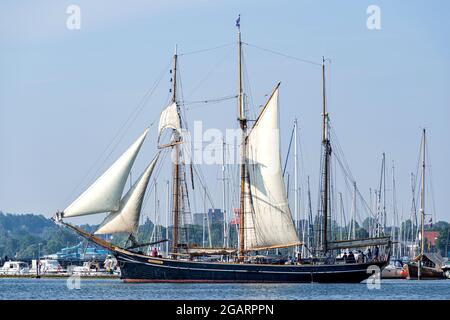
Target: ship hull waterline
(136, 268)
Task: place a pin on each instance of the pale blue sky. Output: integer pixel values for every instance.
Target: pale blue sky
(64, 94)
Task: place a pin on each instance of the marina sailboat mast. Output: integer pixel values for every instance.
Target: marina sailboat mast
(422, 195)
(422, 205)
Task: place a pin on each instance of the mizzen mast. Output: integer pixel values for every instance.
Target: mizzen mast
(326, 163)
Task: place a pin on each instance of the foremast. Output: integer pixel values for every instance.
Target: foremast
(175, 167)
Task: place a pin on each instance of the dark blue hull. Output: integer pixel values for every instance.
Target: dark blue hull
(142, 268)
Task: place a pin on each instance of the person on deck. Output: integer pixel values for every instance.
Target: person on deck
(360, 256)
(351, 257)
(298, 257)
(369, 254)
(376, 253)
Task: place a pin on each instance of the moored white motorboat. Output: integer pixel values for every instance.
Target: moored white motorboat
(14, 268)
(46, 266)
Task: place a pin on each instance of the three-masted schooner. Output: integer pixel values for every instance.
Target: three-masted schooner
(265, 220)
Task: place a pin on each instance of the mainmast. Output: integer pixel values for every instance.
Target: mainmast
(176, 167)
(243, 125)
(422, 207)
(326, 162)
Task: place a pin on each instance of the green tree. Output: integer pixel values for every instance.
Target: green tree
(443, 241)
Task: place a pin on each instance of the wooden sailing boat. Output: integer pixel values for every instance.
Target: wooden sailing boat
(265, 218)
(425, 265)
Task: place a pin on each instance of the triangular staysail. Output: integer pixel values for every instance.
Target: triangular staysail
(104, 194)
(268, 220)
(126, 219)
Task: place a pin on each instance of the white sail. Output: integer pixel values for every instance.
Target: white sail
(104, 194)
(126, 219)
(169, 119)
(268, 220)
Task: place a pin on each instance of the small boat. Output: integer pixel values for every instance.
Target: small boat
(46, 266)
(426, 265)
(446, 270)
(430, 267)
(15, 268)
(89, 268)
(394, 270)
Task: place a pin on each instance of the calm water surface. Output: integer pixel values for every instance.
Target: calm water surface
(105, 289)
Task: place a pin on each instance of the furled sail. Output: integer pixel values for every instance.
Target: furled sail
(126, 219)
(169, 119)
(105, 193)
(268, 220)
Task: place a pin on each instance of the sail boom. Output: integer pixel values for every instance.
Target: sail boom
(170, 145)
(211, 251)
(358, 243)
(298, 243)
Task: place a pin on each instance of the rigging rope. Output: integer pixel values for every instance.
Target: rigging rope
(206, 49)
(121, 132)
(341, 160)
(289, 150)
(207, 101)
(250, 107)
(219, 62)
(282, 54)
(430, 184)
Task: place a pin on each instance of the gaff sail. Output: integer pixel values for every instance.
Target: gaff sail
(268, 220)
